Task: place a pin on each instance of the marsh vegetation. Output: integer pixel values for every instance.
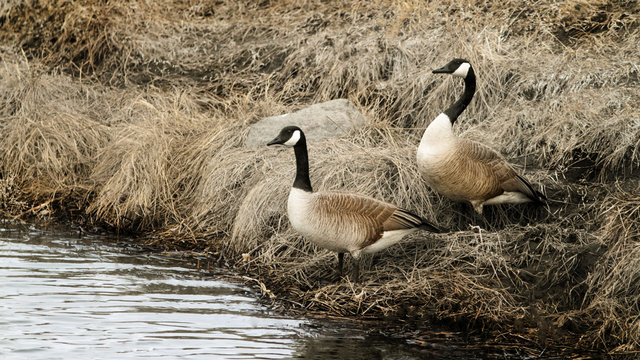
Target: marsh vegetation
(131, 115)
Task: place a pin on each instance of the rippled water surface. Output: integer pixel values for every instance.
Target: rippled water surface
(64, 295)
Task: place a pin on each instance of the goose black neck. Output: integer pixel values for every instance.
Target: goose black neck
(469, 89)
(302, 181)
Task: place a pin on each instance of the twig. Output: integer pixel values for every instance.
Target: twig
(36, 208)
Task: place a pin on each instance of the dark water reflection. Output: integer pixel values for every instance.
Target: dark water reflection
(69, 296)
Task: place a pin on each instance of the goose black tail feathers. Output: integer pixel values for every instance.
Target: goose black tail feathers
(541, 197)
(416, 221)
(535, 195)
(429, 227)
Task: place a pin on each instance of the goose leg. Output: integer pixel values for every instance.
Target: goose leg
(478, 215)
(356, 265)
(477, 205)
(356, 271)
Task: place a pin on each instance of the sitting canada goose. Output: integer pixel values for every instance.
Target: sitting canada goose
(342, 222)
(464, 170)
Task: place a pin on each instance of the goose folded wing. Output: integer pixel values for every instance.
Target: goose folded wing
(358, 213)
(402, 219)
(504, 173)
(377, 216)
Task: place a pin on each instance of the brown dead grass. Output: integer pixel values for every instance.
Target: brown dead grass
(134, 114)
(612, 298)
(50, 134)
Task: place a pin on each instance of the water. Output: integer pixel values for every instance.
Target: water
(69, 296)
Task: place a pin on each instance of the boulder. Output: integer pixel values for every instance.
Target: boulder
(329, 119)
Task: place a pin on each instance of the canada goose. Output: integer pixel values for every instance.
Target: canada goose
(465, 170)
(342, 222)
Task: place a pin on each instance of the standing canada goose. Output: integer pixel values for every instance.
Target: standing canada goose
(342, 222)
(465, 170)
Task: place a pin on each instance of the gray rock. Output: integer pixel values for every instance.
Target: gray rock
(320, 121)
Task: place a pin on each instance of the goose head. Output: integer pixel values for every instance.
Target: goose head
(288, 136)
(455, 67)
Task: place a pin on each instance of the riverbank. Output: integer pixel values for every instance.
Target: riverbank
(132, 116)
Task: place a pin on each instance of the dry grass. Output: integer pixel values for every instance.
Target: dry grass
(613, 286)
(50, 132)
(132, 114)
(141, 172)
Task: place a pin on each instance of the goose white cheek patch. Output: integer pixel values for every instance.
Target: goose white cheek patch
(462, 70)
(293, 139)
